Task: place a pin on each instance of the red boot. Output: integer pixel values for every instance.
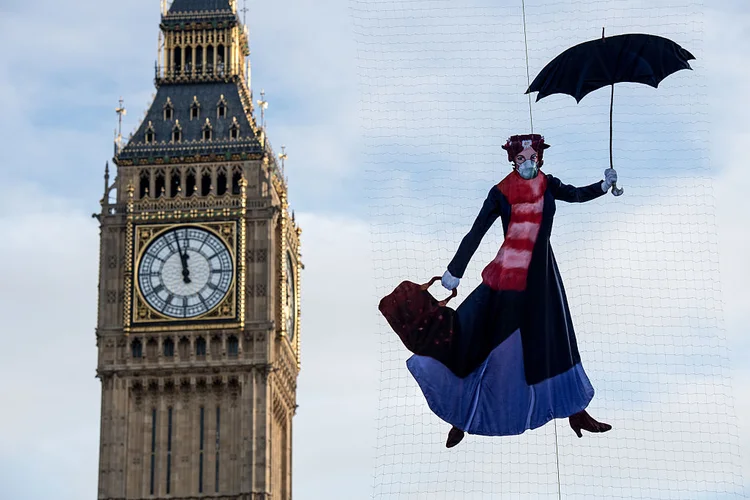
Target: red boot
(583, 420)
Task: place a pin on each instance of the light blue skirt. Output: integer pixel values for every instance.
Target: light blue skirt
(495, 400)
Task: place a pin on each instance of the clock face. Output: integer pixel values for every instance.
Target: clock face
(291, 298)
(185, 272)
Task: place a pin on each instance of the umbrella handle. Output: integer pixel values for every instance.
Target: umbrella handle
(442, 303)
(615, 190)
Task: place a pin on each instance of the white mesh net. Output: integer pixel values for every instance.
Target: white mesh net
(442, 88)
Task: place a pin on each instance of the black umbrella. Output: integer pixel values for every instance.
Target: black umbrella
(636, 58)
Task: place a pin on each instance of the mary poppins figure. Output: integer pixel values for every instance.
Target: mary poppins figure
(515, 364)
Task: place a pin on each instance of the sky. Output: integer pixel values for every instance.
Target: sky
(392, 114)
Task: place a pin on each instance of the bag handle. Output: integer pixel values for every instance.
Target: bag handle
(442, 303)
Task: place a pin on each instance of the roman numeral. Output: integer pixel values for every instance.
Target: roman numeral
(205, 239)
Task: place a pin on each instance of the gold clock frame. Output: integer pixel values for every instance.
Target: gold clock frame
(288, 258)
(286, 230)
(228, 313)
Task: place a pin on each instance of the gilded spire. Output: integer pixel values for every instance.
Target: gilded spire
(121, 111)
(106, 176)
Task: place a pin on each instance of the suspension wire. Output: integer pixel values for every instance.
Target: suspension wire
(557, 461)
(528, 78)
(531, 119)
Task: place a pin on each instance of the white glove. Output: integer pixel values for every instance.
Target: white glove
(449, 281)
(610, 177)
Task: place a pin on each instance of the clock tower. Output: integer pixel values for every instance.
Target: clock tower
(198, 316)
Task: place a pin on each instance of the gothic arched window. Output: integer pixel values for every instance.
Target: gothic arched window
(210, 60)
(160, 187)
(136, 349)
(183, 348)
(150, 135)
(233, 346)
(168, 110)
(151, 348)
(220, 60)
(206, 182)
(199, 59)
(175, 183)
(177, 132)
(177, 58)
(207, 130)
(190, 185)
(188, 60)
(195, 109)
(221, 108)
(236, 178)
(234, 130)
(221, 182)
(200, 346)
(168, 348)
(144, 184)
(215, 347)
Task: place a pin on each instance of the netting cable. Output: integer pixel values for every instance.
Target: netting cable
(441, 88)
(531, 120)
(528, 77)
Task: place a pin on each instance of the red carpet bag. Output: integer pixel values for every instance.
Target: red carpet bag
(425, 325)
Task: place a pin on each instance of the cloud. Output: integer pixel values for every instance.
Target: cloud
(48, 261)
(61, 90)
(337, 390)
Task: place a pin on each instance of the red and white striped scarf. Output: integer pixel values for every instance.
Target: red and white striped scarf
(510, 268)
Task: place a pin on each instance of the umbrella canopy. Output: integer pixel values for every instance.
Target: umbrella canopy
(635, 57)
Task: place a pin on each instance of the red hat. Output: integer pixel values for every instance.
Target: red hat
(518, 143)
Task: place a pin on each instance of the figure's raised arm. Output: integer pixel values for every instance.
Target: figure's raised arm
(487, 216)
(572, 194)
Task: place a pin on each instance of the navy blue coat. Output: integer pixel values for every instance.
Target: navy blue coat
(487, 317)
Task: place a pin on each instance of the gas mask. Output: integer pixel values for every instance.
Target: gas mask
(528, 169)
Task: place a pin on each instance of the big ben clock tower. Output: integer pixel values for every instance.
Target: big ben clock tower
(198, 318)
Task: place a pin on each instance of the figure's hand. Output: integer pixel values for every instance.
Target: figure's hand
(449, 281)
(610, 177)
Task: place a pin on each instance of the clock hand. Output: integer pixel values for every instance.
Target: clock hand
(183, 257)
(177, 239)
